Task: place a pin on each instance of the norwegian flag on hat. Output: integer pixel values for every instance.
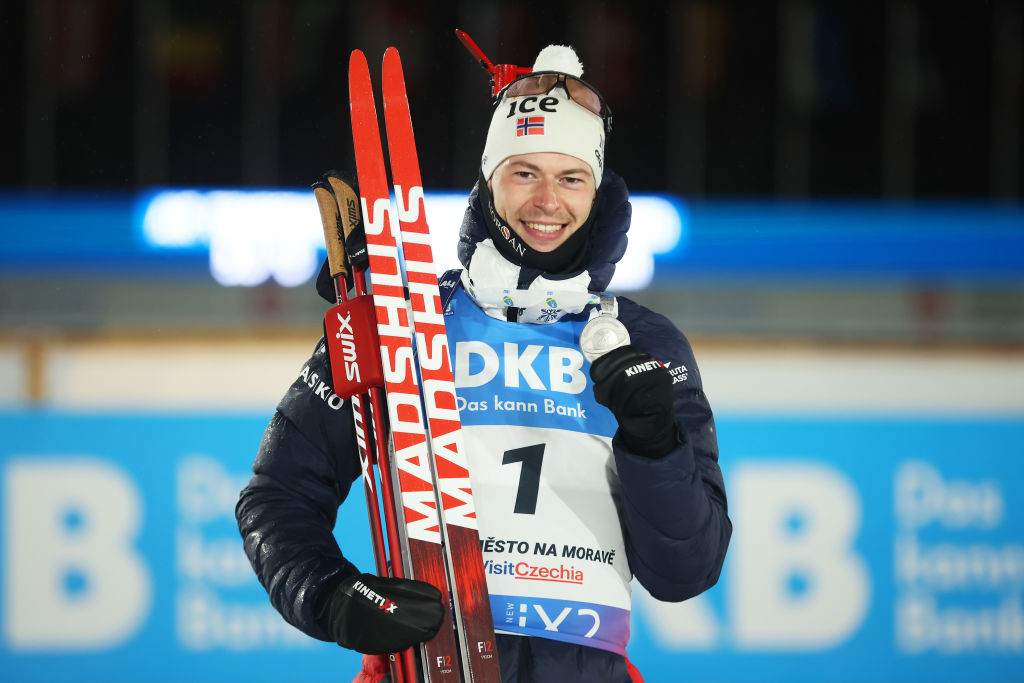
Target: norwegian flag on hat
(529, 125)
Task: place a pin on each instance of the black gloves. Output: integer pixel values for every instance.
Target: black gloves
(638, 390)
(376, 615)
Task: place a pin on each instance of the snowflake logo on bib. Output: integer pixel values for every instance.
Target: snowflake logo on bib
(548, 315)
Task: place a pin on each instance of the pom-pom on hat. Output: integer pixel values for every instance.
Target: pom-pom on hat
(546, 122)
(561, 58)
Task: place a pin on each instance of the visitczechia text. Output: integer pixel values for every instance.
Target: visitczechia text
(532, 572)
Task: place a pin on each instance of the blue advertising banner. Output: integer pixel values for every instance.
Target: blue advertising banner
(186, 230)
(122, 560)
(864, 549)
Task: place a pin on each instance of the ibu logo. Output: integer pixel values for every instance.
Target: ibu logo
(581, 620)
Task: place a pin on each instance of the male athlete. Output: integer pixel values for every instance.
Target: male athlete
(584, 475)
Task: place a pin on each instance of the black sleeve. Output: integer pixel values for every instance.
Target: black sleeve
(305, 466)
(674, 508)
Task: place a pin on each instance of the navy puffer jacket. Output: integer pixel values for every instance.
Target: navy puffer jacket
(674, 509)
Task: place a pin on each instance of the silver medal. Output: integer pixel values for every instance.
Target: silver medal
(601, 335)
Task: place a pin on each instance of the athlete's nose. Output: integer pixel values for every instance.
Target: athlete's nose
(546, 197)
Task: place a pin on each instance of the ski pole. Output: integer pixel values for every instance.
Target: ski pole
(330, 193)
(349, 223)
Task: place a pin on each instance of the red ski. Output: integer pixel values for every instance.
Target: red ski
(424, 556)
(458, 515)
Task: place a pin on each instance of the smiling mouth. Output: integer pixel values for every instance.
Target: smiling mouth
(546, 228)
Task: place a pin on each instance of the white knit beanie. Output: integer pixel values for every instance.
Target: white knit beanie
(546, 123)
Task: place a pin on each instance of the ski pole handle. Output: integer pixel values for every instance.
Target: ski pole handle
(351, 220)
(333, 235)
(348, 202)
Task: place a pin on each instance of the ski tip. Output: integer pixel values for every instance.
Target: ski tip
(393, 65)
(356, 58)
(358, 77)
(392, 58)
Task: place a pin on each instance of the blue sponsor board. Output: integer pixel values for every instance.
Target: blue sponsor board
(122, 560)
(864, 549)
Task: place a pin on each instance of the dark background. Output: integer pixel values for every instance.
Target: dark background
(795, 98)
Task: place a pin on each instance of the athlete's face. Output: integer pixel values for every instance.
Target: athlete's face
(544, 197)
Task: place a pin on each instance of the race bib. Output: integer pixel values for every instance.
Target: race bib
(544, 480)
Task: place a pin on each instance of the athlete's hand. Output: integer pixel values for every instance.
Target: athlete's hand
(637, 388)
(375, 615)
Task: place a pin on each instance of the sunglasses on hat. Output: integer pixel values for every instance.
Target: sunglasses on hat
(579, 91)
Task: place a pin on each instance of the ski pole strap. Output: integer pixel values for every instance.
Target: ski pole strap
(448, 284)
